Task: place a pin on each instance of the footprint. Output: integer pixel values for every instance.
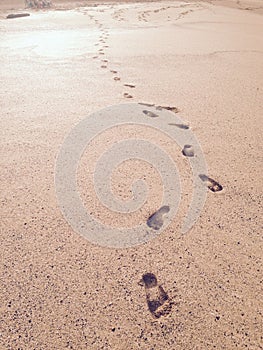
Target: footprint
(105, 61)
(211, 184)
(150, 114)
(129, 85)
(17, 15)
(146, 104)
(155, 221)
(127, 95)
(172, 109)
(117, 78)
(95, 57)
(158, 301)
(181, 126)
(103, 66)
(114, 71)
(188, 151)
(101, 53)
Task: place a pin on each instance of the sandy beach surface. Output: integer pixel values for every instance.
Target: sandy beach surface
(58, 66)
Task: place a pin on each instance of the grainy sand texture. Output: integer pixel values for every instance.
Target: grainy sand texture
(198, 290)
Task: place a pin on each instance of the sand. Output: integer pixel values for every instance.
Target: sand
(58, 289)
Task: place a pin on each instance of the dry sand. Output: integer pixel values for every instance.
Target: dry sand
(58, 290)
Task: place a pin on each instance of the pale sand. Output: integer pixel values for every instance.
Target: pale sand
(59, 291)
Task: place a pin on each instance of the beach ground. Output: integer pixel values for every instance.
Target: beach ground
(57, 66)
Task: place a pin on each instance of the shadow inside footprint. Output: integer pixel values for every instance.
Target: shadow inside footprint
(180, 126)
(157, 299)
(155, 221)
(211, 184)
(150, 114)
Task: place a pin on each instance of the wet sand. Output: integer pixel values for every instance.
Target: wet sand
(58, 290)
